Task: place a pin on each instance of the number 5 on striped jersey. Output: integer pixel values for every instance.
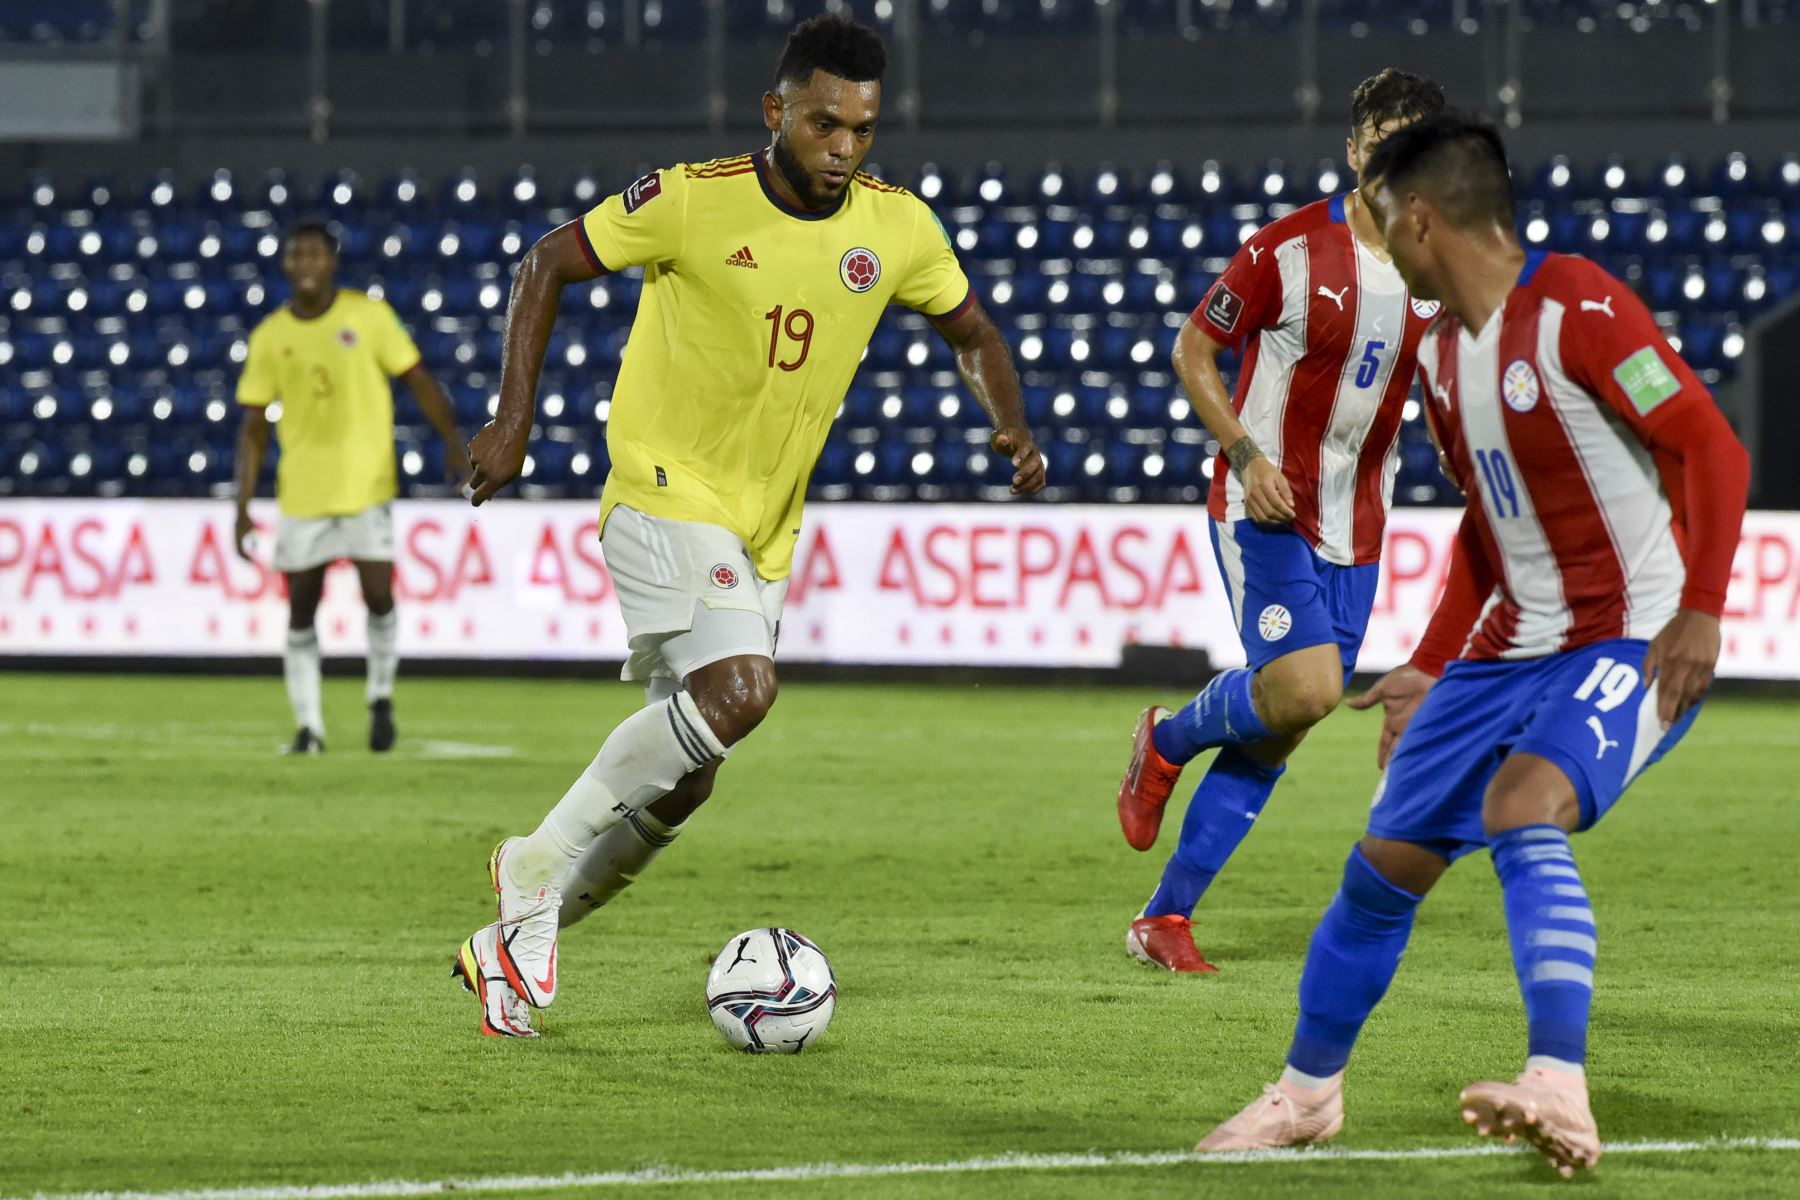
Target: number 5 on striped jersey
(1370, 366)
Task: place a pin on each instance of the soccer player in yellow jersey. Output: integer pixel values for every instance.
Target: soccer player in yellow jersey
(327, 356)
(764, 277)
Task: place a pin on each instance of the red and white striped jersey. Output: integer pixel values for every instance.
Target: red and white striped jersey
(1332, 338)
(1547, 418)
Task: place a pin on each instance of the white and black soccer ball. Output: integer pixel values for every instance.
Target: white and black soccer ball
(771, 991)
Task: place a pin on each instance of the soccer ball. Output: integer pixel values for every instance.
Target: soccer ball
(770, 991)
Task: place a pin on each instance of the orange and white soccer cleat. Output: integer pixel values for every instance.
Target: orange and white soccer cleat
(1168, 942)
(1284, 1115)
(1149, 780)
(477, 965)
(1547, 1108)
(526, 944)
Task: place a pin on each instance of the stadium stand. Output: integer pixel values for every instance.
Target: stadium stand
(458, 24)
(124, 307)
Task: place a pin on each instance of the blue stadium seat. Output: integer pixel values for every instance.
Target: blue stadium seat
(1733, 176)
(1554, 181)
(1274, 184)
(1107, 184)
(1614, 178)
(1784, 180)
(1674, 179)
(125, 303)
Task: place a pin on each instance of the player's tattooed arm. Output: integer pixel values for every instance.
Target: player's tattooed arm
(252, 445)
(1268, 499)
(987, 368)
(1242, 453)
(497, 453)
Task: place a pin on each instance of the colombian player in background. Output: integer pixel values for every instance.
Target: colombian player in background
(327, 356)
(765, 275)
(1299, 500)
(1605, 496)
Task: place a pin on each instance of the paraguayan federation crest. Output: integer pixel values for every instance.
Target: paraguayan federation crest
(1519, 386)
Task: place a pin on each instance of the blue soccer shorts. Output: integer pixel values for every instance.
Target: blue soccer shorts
(1284, 597)
(1585, 710)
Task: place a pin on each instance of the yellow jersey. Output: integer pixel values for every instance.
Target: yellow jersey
(331, 375)
(753, 318)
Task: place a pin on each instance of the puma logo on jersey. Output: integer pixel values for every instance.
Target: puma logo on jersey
(1337, 297)
(1442, 392)
(742, 258)
(1600, 732)
(1256, 252)
(1604, 306)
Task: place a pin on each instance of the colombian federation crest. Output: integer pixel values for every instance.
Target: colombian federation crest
(1519, 386)
(1274, 623)
(347, 336)
(859, 268)
(1425, 309)
(724, 577)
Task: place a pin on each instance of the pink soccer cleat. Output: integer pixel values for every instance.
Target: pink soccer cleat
(1547, 1108)
(1284, 1115)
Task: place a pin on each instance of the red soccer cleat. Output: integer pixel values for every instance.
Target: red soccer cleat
(1167, 942)
(1147, 784)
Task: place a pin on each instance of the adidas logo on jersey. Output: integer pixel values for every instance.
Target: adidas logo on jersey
(742, 258)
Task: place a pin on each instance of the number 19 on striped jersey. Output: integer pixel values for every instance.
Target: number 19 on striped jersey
(1497, 474)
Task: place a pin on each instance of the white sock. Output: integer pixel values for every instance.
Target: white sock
(1301, 1079)
(1535, 1061)
(300, 667)
(616, 858)
(642, 760)
(384, 655)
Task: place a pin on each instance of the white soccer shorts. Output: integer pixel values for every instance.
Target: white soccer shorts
(690, 595)
(302, 543)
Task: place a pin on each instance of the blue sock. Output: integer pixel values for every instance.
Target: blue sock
(1224, 806)
(1222, 714)
(1552, 928)
(1354, 953)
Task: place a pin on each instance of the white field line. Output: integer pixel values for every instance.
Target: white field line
(439, 748)
(813, 1171)
(220, 735)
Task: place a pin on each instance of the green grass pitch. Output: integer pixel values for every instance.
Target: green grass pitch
(224, 968)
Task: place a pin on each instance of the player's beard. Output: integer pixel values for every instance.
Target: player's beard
(797, 176)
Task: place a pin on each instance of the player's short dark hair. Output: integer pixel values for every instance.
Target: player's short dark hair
(317, 227)
(835, 45)
(1393, 96)
(1457, 160)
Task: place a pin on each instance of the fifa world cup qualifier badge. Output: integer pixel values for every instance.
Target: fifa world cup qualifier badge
(859, 269)
(1224, 307)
